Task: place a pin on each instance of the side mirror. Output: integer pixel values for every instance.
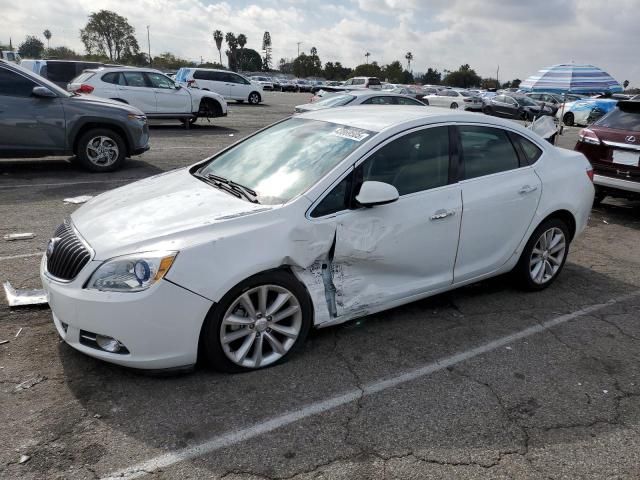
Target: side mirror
(376, 193)
(177, 86)
(42, 92)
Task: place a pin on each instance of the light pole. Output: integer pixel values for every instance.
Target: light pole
(299, 43)
(149, 47)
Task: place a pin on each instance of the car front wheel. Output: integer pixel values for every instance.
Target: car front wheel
(568, 119)
(101, 150)
(544, 255)
(257, 324)
(454, 106)
(254, 98)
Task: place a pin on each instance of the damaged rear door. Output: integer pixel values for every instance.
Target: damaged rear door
(388, 253)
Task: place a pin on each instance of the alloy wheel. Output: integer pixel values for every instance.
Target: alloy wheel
(102, 151)
(547, 255)
(254, 98)
(261, 326)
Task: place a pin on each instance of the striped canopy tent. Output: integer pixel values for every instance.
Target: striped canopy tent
(571, 78)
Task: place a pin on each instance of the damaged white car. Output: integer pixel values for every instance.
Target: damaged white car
(313, 221)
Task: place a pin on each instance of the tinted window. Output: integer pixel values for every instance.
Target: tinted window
(358, 81)
(531, 151)
(443, 93)
(62, 72)
(486, 150)
(233, 78)
(510, 100)
(336, 200)
(160, 81)
(113, 77)
(134, 79)
(14, 85)
(374, 81)
(378, 101)
(621, 120)
(407, 101)
(211, 76)
(415, 162)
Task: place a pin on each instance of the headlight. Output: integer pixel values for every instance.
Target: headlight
(140, 118)
(131, 273)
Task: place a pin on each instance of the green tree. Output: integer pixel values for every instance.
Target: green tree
(110, 34)
(168, 61)
(47, 35)
(250, 61)
(489, 83)
(63, 53)
(242, 41)
(285, 66)
(625, 84)
(464, 77)
(32, 47)
(432, 77)
(232, 56)
(409, 57)
(266, 48)
(368, 70)
(366, 57)
(218, 36)
(393, 73)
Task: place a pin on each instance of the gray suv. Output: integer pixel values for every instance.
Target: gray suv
(38, 119)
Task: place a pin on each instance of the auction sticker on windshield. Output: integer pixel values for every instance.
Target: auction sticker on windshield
(351, 133)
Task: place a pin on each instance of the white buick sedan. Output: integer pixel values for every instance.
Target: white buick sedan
(313, 221)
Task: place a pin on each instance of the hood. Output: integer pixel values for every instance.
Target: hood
(93, 100)
(164, 212)
(309, 107)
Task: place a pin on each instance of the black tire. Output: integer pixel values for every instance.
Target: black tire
(487, 110)
(454, 106)
(254, 98)
(86, 162)
(568, 119)
(210, 343)
(522, 271)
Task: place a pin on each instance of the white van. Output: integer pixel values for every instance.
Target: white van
(60, 72)
(230, 85)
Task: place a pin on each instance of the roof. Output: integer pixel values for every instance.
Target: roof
(380, 117)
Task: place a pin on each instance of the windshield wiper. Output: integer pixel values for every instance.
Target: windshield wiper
(217, 184)
(248, 193)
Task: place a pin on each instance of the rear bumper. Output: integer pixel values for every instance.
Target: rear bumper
(616, 183)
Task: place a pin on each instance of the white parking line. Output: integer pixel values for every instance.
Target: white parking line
(232, 438)
(22, 255)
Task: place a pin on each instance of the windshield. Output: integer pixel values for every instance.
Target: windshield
(286, 159)
(335, 100)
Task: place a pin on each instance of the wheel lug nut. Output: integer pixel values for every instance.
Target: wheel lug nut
(269, 318)
(251, 326)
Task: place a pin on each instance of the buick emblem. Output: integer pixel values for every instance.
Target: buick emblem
(51, 246)
(630, 139)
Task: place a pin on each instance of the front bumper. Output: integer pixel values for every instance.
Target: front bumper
(160, 327)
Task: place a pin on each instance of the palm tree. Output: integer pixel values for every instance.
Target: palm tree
(47, 35)
(367, 55)
(409, 57)
(218, 37)
(313, 52)
(242, 41)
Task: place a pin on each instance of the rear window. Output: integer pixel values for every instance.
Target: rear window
(64, 72)
(83, 77)
(374, 81)
(621, 120)
(335, 100)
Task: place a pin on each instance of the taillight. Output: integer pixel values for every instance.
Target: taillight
(84, 88)
(587, 135)
(590, 173)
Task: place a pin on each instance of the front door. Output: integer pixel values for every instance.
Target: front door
(138, 92)
(169, 99)
(28, 123)
(239, 87)
(500, 197)
(392, 252)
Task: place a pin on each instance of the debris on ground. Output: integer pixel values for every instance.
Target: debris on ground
(231, 134)
(605, 222)
(24, 458)
(77, 200)
(2, 342)
(21, 298)
(97, 415)
(30, 383)
(12, 237)
(19, 331)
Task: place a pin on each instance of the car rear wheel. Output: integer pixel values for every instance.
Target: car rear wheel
(544, 255)
(454, 106)
(568, 119)
(425, 101)
(101, 150)
(254, 98)
(258, 323)
(487, 110)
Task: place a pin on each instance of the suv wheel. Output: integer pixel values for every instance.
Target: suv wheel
(101, 150)
(254, 98)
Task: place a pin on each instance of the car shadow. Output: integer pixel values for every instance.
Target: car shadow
(618, 211)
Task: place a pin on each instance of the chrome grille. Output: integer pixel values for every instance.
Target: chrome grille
(68, 255)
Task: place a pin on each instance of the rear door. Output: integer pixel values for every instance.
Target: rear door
(28, 124)
(138, 91)
(500, 194)
(169, 99)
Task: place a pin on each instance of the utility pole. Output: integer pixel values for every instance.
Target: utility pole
(299, 43)
(497, 80)
(149, 47)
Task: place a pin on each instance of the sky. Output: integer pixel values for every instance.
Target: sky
(518, 36)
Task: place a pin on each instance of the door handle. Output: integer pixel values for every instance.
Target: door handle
(527, 189)
(440, 214)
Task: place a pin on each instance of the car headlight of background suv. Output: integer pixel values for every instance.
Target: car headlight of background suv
(131, 273)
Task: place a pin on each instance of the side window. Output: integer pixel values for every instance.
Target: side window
(14, 85)
(358, 81)
(134, 79)
(499, 98)
(336, 200)
(486, 151)
(415, 162)
(238, 79)
(160, 81)
(443, 93)
(349, 82)
(378, 101)
(113, 77)
(407, 101)
(531, 151)
(510, 100)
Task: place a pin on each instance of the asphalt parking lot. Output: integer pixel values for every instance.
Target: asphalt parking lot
(483, 382)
